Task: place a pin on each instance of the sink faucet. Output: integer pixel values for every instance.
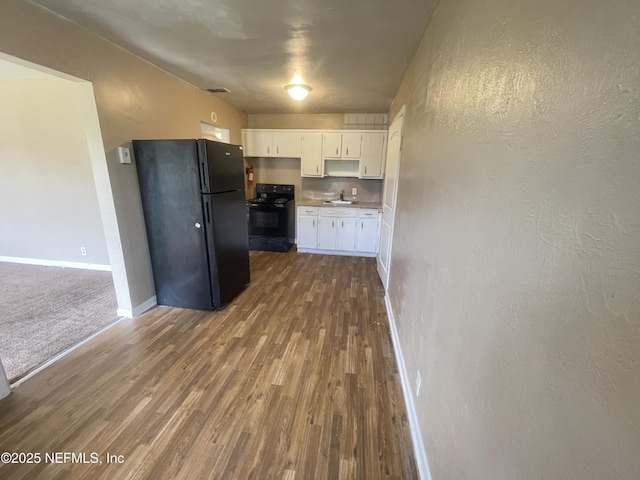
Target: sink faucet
(342, 195)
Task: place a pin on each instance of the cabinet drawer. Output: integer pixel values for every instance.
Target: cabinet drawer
(337, 212)
(308, 211)
(368, 213)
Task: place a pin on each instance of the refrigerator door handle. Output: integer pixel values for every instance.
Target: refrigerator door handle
(208, 212)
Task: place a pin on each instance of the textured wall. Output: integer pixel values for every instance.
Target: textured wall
(516, 254)
(48, 197)
(134, 99)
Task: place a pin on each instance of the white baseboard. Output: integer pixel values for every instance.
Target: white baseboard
(416, 435)
(56, 263)
(342, 253)
(140, 309)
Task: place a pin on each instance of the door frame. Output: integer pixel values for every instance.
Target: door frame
(383, 273)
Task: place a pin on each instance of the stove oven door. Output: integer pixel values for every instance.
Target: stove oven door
(268, 220)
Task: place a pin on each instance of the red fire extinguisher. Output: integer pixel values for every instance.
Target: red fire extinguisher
(250, 175)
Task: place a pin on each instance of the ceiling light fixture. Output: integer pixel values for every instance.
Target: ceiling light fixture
(298, 91)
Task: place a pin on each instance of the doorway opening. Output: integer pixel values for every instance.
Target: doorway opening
(55, 207)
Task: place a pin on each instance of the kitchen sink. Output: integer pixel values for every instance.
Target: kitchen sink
(339, 202)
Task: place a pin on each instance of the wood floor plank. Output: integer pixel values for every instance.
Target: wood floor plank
(296, 379)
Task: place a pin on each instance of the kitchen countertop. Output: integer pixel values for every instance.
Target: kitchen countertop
(306, 202)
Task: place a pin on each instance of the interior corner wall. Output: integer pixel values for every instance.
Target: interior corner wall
(48, 198)
(515, 267)
(134, 99)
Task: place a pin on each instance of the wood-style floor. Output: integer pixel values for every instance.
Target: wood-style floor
(296, 379)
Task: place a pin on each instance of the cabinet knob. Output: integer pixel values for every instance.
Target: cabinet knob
(317, 169)
(365, 169)
(336, 151)
(347, 150)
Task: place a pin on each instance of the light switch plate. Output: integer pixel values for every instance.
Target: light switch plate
(124, 154)
(354, 191)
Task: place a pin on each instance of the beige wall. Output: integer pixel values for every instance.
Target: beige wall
(277, 170)
(134, 99)
(48, 198)
(325, 121)
(516, 255)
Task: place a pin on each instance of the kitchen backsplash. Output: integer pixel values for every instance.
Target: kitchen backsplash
(329, 188)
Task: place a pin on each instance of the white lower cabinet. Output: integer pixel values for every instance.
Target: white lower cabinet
(367, 235)
(342, 231)
(307, 228)
(326, 233)
(345, 235)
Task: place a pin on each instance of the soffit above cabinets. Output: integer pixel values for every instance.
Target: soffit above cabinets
(354, 53)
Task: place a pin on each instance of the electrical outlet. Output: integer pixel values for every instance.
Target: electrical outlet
(418, 384)
(83, 250)
(354, 191)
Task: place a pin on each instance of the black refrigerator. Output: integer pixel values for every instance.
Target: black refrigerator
(194, 207)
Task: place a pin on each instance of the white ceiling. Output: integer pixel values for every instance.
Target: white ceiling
(352, 52)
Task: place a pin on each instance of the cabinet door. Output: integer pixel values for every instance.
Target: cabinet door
(346, 234)
(367, 235)
(258, 144)
(327, 233)
(307, 232)
(287, 144)
(331, 145)
(311, 164)
(372, 159)
(351, 145)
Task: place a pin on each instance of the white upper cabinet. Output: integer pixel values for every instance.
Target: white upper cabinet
(351, 145)
(342, 145)
(373, 155)
(332, 145)
(287, 143)
(258, 144)
(347, 153)
(272, 143)
(311, 164)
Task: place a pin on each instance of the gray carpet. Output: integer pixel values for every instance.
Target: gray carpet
(46, 310)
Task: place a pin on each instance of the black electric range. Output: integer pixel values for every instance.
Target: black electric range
(271, 218)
